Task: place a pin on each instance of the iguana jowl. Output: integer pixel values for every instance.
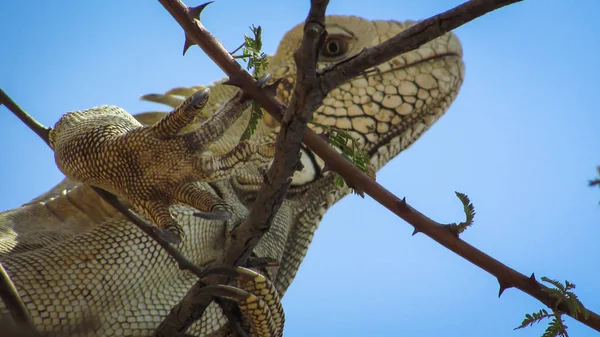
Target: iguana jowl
(68, 252)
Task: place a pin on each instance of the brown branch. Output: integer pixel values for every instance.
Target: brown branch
(35, 126)
(416, 36)
(409, 39)
(287, 148)
(288, 142)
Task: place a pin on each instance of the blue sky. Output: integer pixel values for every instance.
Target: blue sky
(522, 140)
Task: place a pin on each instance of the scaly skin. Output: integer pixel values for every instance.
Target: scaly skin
(71, 255)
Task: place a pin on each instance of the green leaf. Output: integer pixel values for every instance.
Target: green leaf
(469, 210)
(349, 148)
(339, 181)
(562, 294)
(258, 62)
(255, 116)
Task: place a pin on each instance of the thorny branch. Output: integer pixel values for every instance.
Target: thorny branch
(191, 307)
(34, 125)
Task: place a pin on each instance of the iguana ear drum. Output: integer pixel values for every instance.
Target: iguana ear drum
(311, 170)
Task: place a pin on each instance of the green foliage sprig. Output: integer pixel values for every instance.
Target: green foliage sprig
(257, 61)
(469, 209)
(562, 294)
(350, 149)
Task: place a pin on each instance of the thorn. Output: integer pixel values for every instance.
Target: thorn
(234, 81)
(271, 89)
(187, 44)
(503, 286)
(195, 11)
(532, 279)
(402, 203)
(415, 231)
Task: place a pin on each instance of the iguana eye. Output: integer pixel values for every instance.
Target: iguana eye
(335, 46)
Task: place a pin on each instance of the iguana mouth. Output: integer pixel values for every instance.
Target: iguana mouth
(373, 148)
(425, 60)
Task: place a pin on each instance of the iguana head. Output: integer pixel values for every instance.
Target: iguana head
(389, 106)
(386, 109)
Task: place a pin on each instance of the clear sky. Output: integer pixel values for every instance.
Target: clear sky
(522, 140)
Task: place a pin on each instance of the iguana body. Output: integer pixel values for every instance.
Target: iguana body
(70, 254)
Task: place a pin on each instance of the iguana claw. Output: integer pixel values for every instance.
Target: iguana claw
(219, 214)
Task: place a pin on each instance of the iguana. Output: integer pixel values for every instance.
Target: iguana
(71, 255)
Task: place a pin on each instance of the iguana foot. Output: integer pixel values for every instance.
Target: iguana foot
(257, 298)
(155, 166)
(220, 167)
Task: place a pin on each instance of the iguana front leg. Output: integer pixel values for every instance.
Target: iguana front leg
(154, 166)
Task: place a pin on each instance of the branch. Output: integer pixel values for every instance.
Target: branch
(288, 142)
(39, 129)
(409, 39)
(277, 181)
(417, 35)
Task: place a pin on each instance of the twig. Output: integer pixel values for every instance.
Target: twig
(13, 301)
(419, 34)
(407, 40)
(36, 127)
(272, 193)
(182, 261)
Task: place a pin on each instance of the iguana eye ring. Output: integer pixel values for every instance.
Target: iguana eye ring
(335, 46)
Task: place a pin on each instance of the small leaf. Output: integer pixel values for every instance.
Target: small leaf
(339, 181)
(469, 210)
(350, 148)
(258, 61)
(255, 116)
